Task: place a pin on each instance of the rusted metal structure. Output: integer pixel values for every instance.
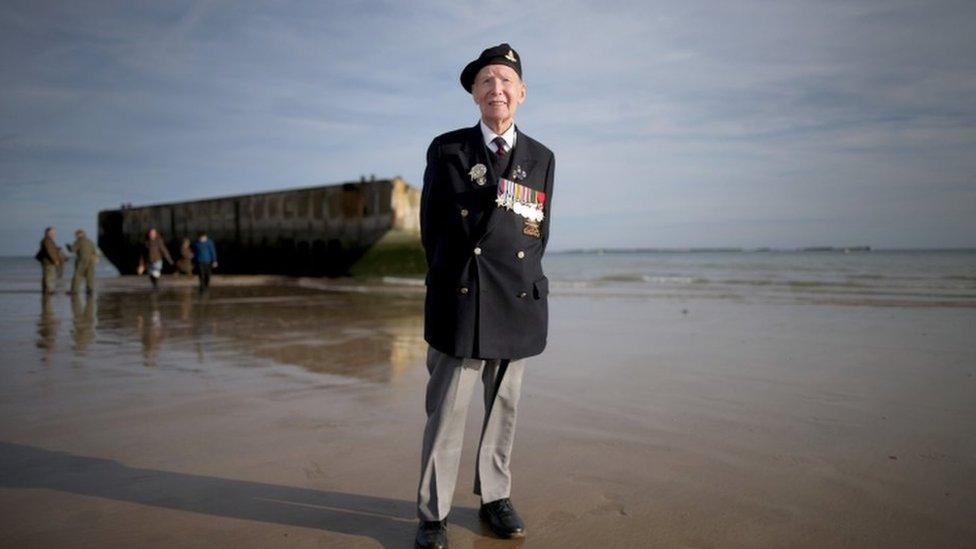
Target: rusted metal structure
(311, 231)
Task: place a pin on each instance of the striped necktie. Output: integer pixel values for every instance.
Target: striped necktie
(501, 146)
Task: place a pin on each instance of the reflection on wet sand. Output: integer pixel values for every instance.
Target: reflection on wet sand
(758, 421)
(47, 328)
(149, 325)
(83, 316)
(372, 338)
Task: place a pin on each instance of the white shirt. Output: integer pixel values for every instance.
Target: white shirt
(489, 134)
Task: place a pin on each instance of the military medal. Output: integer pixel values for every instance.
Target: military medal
(525, 202)
(477, 173)
(505, 197)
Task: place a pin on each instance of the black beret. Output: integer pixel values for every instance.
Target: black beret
(502, 54)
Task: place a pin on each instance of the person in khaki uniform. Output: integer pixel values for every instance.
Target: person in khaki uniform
(86, 255)
(50, 257)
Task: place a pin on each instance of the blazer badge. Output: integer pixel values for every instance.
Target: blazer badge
(477, 174)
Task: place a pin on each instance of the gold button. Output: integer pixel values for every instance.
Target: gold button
(463, 290)
(464, 213)
(521, 295)
(521, 254)
(477, 251)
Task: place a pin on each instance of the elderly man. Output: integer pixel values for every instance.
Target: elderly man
(484, 219)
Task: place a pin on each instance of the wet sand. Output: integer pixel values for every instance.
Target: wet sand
(269, 414)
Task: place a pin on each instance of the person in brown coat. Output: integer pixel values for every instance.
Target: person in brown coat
(185, 264)
(51, 260)
(156, 252)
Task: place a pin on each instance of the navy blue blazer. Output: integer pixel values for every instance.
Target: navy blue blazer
(487, 296)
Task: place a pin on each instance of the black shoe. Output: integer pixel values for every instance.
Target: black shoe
(431, 534)
(502, 518)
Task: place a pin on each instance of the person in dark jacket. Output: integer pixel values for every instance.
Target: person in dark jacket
(156, 252)
(205, 255)
(86, 255)
(485, 210)
(51, 259)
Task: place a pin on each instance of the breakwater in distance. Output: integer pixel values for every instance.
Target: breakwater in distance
(313, 231)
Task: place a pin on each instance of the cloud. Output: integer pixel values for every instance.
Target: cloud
(679, 123)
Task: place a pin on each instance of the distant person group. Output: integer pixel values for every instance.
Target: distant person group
(202, 253)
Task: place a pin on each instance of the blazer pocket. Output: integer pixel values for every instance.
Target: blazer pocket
(540, 288)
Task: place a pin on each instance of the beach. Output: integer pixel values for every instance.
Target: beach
(284, 412)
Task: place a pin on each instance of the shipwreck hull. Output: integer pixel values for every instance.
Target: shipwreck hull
(316, 231)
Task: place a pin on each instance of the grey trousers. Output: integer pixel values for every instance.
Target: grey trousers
(449, 389)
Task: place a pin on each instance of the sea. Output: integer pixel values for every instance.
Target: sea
(927, 278)
(863, 277)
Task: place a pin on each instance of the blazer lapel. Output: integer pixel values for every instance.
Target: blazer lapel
(477, 153)
(467, 153)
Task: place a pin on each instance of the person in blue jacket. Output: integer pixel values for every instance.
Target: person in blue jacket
(205, 256)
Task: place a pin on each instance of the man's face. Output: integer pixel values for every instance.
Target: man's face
(498, 91)
(152, 233)
(52, 233)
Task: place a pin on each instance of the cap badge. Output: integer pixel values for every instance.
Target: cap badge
(511, 56)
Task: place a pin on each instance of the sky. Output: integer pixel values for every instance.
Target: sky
(675, 124)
